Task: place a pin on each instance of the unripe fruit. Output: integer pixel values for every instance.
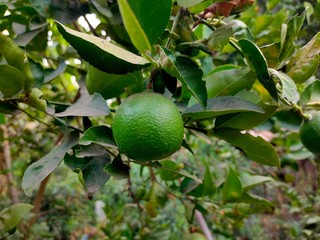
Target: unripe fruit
(310, 133)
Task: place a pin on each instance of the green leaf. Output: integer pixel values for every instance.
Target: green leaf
(87, 105)
(289, 91)
(254, 199)
(220, 37)
(246, 120)
(249, 181)
(188, 73)
(133, 27)
(93, 176)
(305, 61)
(311, 94)
(102, 54)
(117, 168)
(258, 65)
(152, 15)
(229, 81)
(11, 216)
(39, 170)
(17, 58)
(11, 80)
(36, 101)
(232, 188)
(91, 150)
(106, 84)
(169, 175)
(256, 148)
(101, 135)
(289, 33)
(188, 3)
(220, 106)
(209, 187)
(52, 74)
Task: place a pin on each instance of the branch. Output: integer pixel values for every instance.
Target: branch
(203, 225)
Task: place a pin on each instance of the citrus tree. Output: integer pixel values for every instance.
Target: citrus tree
(139, 87)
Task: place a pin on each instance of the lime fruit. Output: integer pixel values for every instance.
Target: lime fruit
(310, 133)
(147, 126)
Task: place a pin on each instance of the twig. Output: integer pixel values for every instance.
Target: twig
(174, 26)
(203, 225)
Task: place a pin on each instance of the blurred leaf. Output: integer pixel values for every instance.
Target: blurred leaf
(168, 175)
(35, 100)
(117, 168)
(133, 27)
(229, 81)
(187, 146)
(24, 39)
(11, 216)
(258, 65)
(188, 73)
(289, 91)
(220, 37)
(227, 8)
(256, 148)
(209, 187)
(102, 54)
(271, 52)
(37, 72)
(220, 106)
(106, 84)
(101, 135)
(232, 188)
(52, 74)
(249, 181)
(11, 80)
(39, 170)
(188, 3)
(305, 61)
(311, 94)
(87, 105)
(289, 33)
(254, 199)
(16, 57)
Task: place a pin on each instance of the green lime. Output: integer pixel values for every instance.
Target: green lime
(310, 133)
(147, 126)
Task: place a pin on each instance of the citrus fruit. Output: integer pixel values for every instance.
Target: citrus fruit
(147, 126)
(310, 133)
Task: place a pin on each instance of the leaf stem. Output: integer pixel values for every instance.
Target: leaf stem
(174, 26)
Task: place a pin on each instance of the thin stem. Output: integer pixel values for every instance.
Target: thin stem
(203, 225)
(174, 26)
(33, 117)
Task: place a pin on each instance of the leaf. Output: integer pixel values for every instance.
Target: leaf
(305, 61)
(289, 91)
(256, 148)
(106, 84)
(87, 105)
(208, 188)
(102, 54)
(39, 170)
(168, 175)
(254, 199)
(133, 27)
(311, 94)
(101, 135)
(188, 73)
(36, 101)
(11, 80)
(232, 188)
(188, 3)
(220, 106)
(229, 81)
(250, 181)
(52, 74)
(117, 168)
(258, 65)
(93, 177)
(220, 37)
(153, 16)
(91, 150)
(227, 8)
(11, 216)
(17, 58)
(289, 33)
(246, 120)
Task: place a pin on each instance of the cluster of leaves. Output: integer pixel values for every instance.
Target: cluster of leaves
(228, 73)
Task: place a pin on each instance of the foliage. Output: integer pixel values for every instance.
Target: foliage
(243, 75)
